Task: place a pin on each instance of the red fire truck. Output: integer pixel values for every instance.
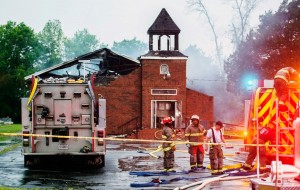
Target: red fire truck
(261, 109)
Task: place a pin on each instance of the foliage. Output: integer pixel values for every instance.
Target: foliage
(23, 52)
(132, 48)
(82, 42)
(19, 50)
(274, 45)
(51, 39)
(242, 10)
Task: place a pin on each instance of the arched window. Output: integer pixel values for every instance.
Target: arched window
(164, 69)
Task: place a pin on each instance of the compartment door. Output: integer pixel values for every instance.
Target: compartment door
(62, 109)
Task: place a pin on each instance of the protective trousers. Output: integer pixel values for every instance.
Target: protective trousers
(253, 152)
(168, 159)
(196, 156)
(216, 158)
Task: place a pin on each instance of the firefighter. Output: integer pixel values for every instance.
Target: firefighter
(214, 135)
(267, 133)
(168, 148)
(195, 134)
(281, 85)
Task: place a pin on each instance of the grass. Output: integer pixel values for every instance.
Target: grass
(14, 128)
(9, 148)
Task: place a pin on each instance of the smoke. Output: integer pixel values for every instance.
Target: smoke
(204, 76)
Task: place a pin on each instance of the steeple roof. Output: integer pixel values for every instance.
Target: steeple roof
(163, 25)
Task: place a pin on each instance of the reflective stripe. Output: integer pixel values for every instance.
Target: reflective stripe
(169, 148)
(195, 144)
(264, 102)
(194, 134)
(247, 165)
(32, 94)
(282, 77)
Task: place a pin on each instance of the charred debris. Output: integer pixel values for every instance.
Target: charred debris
(103, 64)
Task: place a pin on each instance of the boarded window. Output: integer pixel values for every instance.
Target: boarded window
(164, 91)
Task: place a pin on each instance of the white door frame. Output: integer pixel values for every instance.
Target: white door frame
(153, 113)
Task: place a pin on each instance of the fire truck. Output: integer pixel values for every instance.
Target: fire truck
(63, 124)
(261, 110)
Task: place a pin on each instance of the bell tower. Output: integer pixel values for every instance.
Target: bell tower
(163, 74)
(164, 26)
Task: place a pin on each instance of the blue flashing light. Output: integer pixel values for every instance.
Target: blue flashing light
(250, 82)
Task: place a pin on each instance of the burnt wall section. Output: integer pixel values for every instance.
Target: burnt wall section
(123, 103)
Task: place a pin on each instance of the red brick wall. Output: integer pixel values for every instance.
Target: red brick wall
(152, 79)
(200, 104)
(122, 101)
(123, 96)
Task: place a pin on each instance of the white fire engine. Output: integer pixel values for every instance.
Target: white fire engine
(63, 123)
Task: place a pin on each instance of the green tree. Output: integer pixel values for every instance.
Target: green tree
(274, 45)
(82, 42)
(18, 53)
(132, 48)
(51, 39)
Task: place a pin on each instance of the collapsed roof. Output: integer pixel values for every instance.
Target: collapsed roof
(103, 63)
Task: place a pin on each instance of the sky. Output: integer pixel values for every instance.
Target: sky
(116, 20)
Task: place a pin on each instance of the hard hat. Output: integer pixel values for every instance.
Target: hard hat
(167, 120)
(195, 117)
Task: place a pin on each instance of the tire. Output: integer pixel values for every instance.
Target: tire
(103, 160)
(158, 134)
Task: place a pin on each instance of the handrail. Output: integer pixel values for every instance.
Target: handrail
(127, 123)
